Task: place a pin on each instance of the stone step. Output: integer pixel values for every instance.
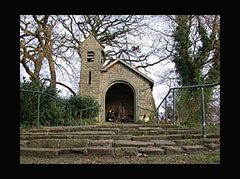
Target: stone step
(127, 143)
(112, 151)
(151, 151)
(70, 136)
(72, 143)
(194, 149)
(39, 152)
(105, 127)
(76, 143)
(103, 135)
(133, 129)
(73, 133)
(83, 128)
(156, 137)
(58, 143)
(160, 143)
(159, 132)
(114, 139)
(72, 129)
(173, 137)
(107, 131)
(196, 141)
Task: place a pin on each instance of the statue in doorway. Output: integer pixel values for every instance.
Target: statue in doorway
(120, 113)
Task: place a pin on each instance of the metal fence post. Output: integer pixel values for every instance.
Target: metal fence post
(203, 113)
(70, 111)
(166, 111)
(174, 120)
(55, 107)
(38, 109)
(80, 117)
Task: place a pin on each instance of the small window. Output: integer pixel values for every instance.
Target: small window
(89, 77)
(90, 56)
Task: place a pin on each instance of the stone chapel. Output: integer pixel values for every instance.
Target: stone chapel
(116, 85)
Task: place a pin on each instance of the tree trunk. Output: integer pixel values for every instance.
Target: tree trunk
(52, 70)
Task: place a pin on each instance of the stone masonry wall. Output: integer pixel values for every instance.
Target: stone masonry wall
(142, 90)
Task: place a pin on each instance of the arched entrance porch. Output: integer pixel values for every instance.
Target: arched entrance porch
(120, 102)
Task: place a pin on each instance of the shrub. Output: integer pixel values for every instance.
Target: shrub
(81, 102)
(53, 113)
(50, 113)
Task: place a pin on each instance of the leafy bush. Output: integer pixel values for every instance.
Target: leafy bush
(53, 113)
(50, 112)
(81, 102)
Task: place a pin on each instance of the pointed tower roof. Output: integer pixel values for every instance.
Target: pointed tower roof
(91, 38)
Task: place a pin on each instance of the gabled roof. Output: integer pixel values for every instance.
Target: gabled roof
(109, 65)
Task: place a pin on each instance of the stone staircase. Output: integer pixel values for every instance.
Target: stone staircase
(116, 139)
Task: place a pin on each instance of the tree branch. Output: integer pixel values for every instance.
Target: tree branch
(62, 84)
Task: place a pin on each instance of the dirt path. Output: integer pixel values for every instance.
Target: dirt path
(207, 158)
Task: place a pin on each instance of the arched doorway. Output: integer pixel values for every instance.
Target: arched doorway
(119, 103)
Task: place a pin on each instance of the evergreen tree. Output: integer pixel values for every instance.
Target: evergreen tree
(196, 54)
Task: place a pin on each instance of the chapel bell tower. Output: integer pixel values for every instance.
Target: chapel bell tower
(92, 59)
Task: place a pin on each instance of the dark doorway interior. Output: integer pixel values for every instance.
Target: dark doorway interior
(119, 104)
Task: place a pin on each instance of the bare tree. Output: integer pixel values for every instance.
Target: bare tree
(124, 36)
(40, 40)
(36, 43)
(31, 49)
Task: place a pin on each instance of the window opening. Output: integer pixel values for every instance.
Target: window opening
(90, 56)
(89, 77)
